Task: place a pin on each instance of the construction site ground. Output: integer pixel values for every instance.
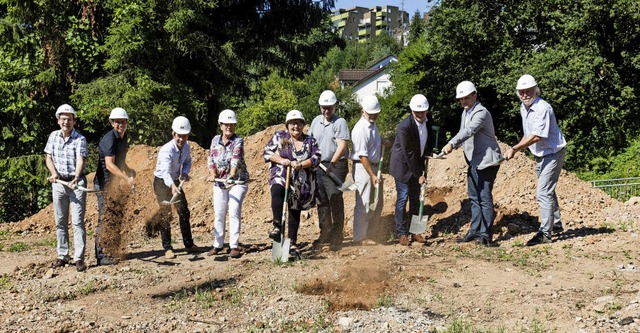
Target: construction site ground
(587, 280)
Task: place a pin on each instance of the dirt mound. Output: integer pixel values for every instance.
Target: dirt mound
(514, 196)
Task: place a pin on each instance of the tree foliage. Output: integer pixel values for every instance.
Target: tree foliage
(583, 54)
(156, 58)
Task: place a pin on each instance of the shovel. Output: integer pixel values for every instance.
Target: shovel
(373, 205)
(438, 157)
(343, 187)
(174, 198)
(280, 249)
(490, 164)
(231, 181)
(76, 187)
(419, 223)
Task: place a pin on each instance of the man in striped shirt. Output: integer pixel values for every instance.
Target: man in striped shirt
(66, 152)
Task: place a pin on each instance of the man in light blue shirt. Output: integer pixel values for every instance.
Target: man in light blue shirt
(174, 165)
(545, 141)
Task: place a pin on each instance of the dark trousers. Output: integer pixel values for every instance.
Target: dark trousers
(163, 192)
(409, 191)
(479, 187)
(331, 204)
(277, 204)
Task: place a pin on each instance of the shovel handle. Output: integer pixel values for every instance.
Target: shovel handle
(230, 181)
(331, 175)
(75, 187)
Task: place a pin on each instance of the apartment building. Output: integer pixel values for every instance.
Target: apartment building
(361, 23)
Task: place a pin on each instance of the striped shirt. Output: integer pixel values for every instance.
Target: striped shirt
(65, 153)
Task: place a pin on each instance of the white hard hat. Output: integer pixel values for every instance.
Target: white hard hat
(370, 104)
(419, 103)
(65, 108)
(327, 98)
(525, 82)
(465, 88)
(294, 114)
(181, 125)
(118, 113)
(227, 117)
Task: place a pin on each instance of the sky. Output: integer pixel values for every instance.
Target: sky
(410, 6)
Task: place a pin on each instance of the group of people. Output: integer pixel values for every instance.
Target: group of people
(314, 164)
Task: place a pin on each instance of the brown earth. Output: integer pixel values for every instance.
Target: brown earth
(586, 280)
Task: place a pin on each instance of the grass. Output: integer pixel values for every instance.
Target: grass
(461, 326)
(18, 247)
(49, 242)
(5, 234)
(619, 225)
(204, 298)
(5, 281)
(88, 288)
(386, 300)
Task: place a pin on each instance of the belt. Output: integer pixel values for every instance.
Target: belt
(70, 178)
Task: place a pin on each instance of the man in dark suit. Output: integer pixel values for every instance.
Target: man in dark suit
(413, 143)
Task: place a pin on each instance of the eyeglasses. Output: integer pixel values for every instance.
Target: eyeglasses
(120, 121)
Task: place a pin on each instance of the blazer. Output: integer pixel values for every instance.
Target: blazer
(478, 137)
(406, 158)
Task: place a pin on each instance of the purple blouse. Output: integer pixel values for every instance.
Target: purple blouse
(303, 190)
(223, 158)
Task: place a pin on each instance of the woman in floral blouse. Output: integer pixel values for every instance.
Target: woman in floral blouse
(226, 161)
(292, 147)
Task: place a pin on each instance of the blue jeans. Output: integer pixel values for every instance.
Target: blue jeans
(409, 191)
(479, 187)
(65, 198)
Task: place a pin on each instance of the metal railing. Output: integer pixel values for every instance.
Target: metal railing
(621, 188)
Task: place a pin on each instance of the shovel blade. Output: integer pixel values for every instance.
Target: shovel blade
(348, 187)
(280, 250)
(169, 203)
(418, 224)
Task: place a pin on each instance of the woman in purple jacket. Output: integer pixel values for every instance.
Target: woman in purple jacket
(291, 147)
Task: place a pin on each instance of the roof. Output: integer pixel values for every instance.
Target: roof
(354, 75)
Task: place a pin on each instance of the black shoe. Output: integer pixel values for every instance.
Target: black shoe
(275, 234)
(59, 263)
(335, 247)
(483, 241)
(557, 228)
(467, 238)
(80, 266)
(106, 261)
(539, 238)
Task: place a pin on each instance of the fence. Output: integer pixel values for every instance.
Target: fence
(621, 188)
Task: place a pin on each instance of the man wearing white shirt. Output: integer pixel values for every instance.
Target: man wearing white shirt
(174, 165)
(367, 152)
(545, 141)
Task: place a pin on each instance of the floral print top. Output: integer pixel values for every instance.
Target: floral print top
(223, 158)
(302, 193)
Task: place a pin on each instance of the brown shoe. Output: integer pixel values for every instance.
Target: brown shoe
(169, 254)
(404, 240)
(215, 251)
(418, 238)
(235, 254)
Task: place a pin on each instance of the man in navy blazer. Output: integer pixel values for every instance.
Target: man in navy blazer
(414, 141)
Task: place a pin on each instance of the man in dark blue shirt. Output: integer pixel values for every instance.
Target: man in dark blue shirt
(112, 151)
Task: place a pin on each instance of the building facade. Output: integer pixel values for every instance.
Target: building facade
(361, 23)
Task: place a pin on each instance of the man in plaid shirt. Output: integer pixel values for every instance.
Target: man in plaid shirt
(66, 153)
